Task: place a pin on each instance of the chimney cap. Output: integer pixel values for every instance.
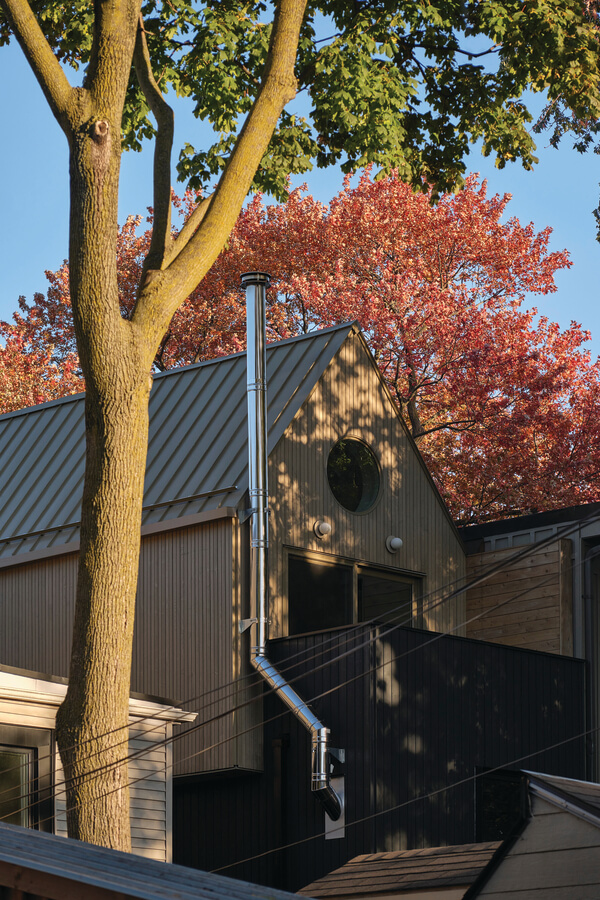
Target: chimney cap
(249, 278)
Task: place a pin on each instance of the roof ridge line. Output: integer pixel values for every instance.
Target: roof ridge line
(72, 398)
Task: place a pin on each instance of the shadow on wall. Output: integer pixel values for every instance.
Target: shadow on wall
(416, 718)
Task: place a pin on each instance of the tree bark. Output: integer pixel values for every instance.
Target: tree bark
(92, 724)
(116, 358)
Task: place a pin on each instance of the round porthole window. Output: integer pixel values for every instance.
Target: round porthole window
(353, 475)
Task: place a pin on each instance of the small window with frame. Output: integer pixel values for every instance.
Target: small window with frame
(353, 475)
(26, 777)
(386, 598)
(17, 776)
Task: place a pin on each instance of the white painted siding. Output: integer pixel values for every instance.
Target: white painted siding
(556, 858)
(32, 703)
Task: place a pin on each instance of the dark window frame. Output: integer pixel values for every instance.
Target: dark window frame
(41, 795)
(373, 502)
(357, 567)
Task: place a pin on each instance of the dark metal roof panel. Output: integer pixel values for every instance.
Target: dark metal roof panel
(533, 520)
(45, 862)
(197, 443)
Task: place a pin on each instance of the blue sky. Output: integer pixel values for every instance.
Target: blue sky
(561, 192)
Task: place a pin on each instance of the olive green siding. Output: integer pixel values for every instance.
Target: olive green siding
(351, 401)
(186, 640)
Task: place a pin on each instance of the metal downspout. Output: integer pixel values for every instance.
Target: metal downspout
(255, 285)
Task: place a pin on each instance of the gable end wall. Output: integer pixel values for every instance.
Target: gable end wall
(350, 400)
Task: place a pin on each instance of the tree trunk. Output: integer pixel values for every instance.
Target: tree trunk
(92, 722)
(116, 359)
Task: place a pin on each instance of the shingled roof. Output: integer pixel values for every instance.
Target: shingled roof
(197, 444)
(405, 870)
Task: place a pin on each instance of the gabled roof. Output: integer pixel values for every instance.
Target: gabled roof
(581, 798)
(577, 798)
(197, 445)
(46, 865)
(405, 870)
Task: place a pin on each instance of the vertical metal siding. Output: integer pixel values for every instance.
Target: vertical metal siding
(185, 638)
(416, 718)
(350, 400)
(37, 603)
(185, 634)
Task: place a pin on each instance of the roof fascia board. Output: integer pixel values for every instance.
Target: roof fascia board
(564, 801)
(532, 521)
(506, 845)
(208, 515)
(22, 689)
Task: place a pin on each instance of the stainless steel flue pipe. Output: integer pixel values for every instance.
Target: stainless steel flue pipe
(255, 285)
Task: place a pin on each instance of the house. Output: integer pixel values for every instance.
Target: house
(31, 776)
(367, 616)
(555, 852)
(49, 867)
(552, 852)
(193, 583)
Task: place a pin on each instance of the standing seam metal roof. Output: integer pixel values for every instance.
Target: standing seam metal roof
(197, 442)
(52, 866)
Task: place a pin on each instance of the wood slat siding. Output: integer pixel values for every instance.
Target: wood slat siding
(556, 857)
(414, 717)
(349, 400)
(186, 640)
(541, 616)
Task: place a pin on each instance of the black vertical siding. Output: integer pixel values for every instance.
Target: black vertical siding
(417, 715)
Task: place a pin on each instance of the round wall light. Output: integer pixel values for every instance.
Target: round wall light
(321, 528)
(392, 543)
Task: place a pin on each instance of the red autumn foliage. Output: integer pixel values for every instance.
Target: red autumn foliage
(503, 404)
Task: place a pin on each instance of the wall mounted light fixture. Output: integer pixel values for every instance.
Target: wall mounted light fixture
(321, 528)
(392, 543)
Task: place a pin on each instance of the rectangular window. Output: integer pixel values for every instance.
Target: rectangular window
(384, 599)
(330, 594)
(320, 595)
(16, 781)
(26, 767)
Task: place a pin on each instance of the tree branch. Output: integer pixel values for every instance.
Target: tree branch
(190, 227)
(44, 64)
(163, 296)
(161, 231)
